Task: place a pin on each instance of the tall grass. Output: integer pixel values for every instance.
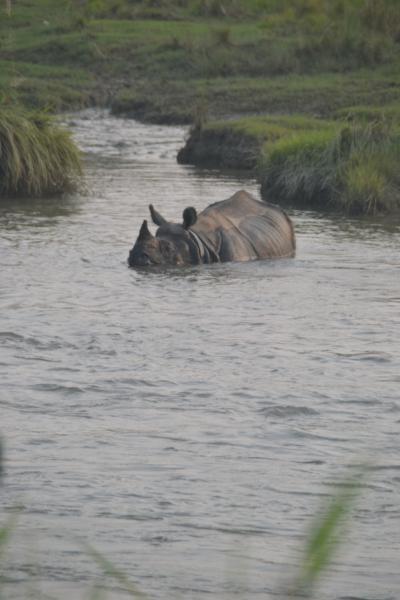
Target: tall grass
(37, 157)
(354, 170)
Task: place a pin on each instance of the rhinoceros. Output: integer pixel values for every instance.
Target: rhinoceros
(237, 229)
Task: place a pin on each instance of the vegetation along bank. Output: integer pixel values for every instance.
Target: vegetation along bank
(347, 165)
(202, 61)
(37, 158)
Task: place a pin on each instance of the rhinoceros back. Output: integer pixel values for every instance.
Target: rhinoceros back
(242, 228)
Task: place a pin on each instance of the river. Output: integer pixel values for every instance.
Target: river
(189, 424)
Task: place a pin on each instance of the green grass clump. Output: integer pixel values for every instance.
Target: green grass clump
(371, 177)
(292, 170)
(37, 157)
(354, 170)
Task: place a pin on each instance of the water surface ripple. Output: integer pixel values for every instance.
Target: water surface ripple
(189, 423)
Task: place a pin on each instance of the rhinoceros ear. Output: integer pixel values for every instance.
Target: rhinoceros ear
(189, 217)
(157, 218)
(144, 233)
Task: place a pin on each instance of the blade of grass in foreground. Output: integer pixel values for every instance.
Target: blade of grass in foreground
(1, 459)
(5, 533)
(327, 532)
(6, 530)
(97, 593)
(112, 571)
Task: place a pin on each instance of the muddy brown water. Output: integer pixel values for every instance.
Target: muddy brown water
(189, 423)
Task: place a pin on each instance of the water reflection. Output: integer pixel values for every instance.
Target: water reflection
(38, 212)
(350, 225)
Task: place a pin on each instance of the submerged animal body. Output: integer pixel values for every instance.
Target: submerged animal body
(237, 229)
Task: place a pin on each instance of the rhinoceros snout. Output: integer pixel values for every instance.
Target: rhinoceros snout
(139, 260)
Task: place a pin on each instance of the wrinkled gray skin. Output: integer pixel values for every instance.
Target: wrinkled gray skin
(238, 229)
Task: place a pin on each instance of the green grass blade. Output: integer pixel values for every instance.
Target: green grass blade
(7, 529)
(1, 457)
(328, 531)
(114, 572)
(97, 593)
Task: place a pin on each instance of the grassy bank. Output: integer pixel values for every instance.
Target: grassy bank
(353, 169)
(37, 158)
(239, 143)
(348, 165)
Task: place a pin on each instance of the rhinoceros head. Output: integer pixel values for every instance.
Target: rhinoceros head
(170, 246)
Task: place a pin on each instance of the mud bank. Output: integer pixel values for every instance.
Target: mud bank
(221, 147)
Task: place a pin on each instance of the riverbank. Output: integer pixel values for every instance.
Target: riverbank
(350, 165)
(194, 62)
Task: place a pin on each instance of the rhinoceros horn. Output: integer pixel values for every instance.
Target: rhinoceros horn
(157, 218)
(144, 233)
